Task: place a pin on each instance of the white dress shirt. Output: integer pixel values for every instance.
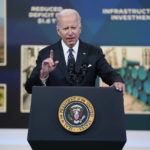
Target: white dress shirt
(66, 50)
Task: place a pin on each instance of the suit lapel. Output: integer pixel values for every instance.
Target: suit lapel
(62, 64)
(61, 58)
(81, 57)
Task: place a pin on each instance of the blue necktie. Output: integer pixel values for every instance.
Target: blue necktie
(70, 56)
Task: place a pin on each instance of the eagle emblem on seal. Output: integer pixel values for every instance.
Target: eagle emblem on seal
(76, 114)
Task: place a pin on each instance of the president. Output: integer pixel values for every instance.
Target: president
(70, 61)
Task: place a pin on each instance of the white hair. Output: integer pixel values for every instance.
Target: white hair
(68, 12)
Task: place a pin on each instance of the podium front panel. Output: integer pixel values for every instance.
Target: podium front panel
(108, 125)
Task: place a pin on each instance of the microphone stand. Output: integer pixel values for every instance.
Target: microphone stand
(71, 69)
(76, 77)
(81, 74)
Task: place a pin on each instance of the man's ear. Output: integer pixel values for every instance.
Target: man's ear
(80, 29)
(58, 30)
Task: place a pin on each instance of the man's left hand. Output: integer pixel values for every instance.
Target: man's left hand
(119, 86)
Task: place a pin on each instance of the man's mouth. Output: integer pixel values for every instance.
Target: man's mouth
(70, 38)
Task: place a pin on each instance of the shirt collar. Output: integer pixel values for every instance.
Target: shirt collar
(66, 48)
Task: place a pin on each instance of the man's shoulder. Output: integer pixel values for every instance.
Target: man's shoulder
(90, 47)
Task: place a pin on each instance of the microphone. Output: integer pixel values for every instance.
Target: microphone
(77, 77)
(71, 67)
(84, 67)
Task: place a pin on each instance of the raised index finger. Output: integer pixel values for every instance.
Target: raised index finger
(51, 54)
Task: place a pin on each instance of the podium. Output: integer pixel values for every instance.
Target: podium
(107, 131)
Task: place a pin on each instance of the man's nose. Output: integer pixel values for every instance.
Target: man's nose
(70, 31)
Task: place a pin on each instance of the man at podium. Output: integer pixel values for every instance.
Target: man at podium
(70, 61)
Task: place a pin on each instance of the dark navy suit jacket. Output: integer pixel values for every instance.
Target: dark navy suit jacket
(97, 66)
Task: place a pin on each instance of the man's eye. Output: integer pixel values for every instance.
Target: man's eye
(73, 28)
(65, 29)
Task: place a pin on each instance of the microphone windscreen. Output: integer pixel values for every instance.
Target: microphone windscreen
(71, 66)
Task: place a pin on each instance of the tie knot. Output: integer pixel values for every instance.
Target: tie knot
(70, 50)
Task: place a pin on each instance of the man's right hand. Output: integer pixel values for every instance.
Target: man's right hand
(48, 65)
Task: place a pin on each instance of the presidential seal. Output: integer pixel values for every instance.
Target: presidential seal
(76, 114)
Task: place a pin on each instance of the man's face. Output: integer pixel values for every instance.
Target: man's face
(69, 29)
